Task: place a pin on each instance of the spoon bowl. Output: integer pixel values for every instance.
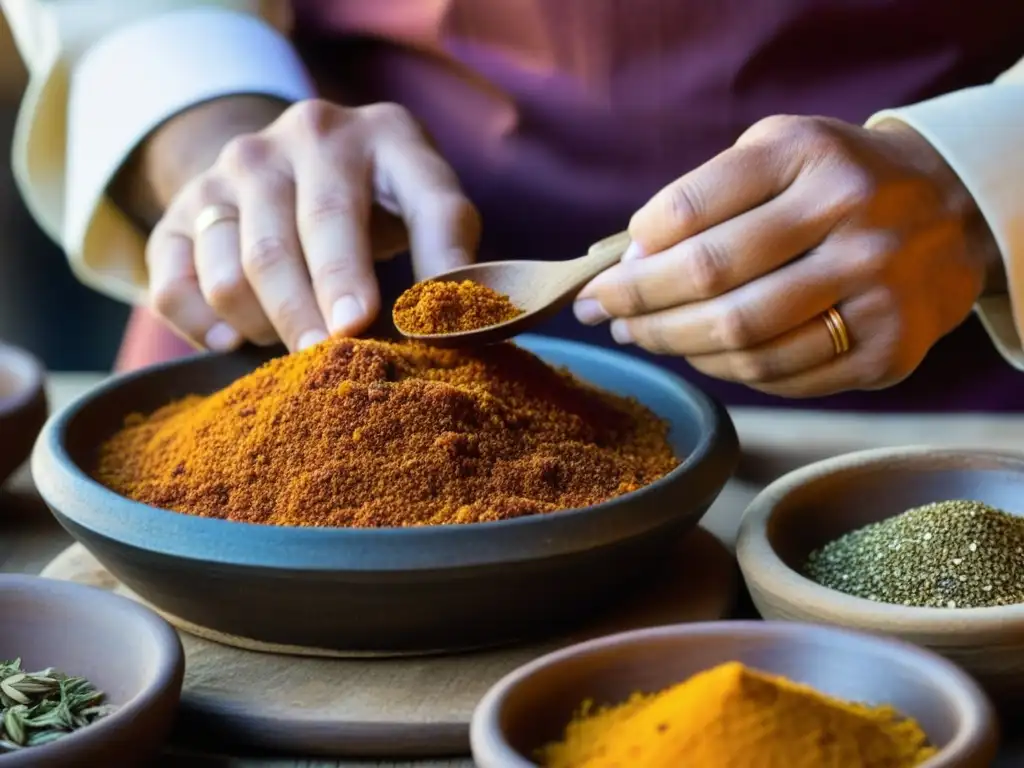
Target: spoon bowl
(541, 289)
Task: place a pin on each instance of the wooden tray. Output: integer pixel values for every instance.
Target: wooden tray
(391, 707)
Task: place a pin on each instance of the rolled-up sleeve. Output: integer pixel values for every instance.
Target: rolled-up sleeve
(980, 133)
(103, 76)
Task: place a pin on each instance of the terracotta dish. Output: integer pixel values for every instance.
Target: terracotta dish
(809, 507)
(125, 650)
(385, 591)
(22, 406)
(532, 705)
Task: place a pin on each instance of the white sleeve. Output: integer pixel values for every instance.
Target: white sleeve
(101, 78)
(980, 133)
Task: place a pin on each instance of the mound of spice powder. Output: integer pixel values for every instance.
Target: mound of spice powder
(731, 716)
(449, 307)
(950, 554)
(360, 433)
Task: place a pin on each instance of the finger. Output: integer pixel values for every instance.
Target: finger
(333, 211)
(272, 259)
(715, 261)
(218, 264)
(737, 180)
(884, 350)
(751, 314)
(444, 226)
(174, 292)
(801, 349)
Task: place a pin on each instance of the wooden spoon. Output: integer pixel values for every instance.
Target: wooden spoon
(540, 288)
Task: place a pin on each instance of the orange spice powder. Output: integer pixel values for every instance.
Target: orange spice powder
(449, 307)
(360, 433)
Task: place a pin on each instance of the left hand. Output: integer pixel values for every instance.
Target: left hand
(736, 263)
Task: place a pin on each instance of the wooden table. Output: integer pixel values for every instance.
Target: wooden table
(774, 442)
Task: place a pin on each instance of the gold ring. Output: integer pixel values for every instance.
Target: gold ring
(837, 330)
(214, 214)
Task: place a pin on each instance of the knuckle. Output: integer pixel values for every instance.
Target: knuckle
(707, 267)
(332, 273)
(265, 255)
(685, 202)
(225, 294)
(627, 297)
(871, 258)
(208, 190)
(314, 117)
(330, 205)
(733, 329)
(246, 154)
(777, 126)
(753, 367)
(168, 299)
(386, 113)
(856, 187)
(289, 313)
(654, 335)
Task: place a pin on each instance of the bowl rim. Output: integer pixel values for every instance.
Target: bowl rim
(765, 571)
(164, 675)
(30, 369)
(975, 710)
(62, 483)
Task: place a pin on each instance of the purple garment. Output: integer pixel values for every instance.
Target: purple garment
(562, 117)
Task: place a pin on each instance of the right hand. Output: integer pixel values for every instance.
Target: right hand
(320, 194)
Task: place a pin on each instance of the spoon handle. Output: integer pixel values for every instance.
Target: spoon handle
(606, 253)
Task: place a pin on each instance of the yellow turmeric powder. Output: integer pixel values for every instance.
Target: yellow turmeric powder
(735, 717)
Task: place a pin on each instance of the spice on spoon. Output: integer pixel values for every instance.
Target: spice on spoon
(39, 707)
(949, 554)
(732, 715)
(437, 307)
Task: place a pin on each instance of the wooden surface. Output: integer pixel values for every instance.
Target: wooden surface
(400, 706)
(774, 443)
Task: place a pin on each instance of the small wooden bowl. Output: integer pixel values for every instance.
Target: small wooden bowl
(125, 650)
(22, 406)
(531, 706)
(807, 508)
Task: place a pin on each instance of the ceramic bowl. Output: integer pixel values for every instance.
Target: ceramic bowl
(125, 650)
(531, 706)
(383, 591)
(22, 406)
(807, 508)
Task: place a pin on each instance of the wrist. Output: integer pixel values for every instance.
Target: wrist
(955, 199)
(182, 148)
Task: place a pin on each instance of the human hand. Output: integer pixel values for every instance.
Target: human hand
(736, 264)
(278, 238)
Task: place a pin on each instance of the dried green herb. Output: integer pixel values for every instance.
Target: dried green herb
(39, 707)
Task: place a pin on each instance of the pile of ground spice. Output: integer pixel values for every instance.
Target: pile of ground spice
(735, 717)
(950, 554)
(448, 307)
(360, 433)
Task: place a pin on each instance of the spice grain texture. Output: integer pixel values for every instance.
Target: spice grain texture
(735, 717)
(949, 554)
(363, 433)
(434, 307)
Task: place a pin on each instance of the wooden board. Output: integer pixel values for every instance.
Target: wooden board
(392, 707)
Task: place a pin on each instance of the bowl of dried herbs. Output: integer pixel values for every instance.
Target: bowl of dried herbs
(87, 678)
(919, 542)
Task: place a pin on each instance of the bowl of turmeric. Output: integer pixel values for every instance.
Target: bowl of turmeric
(736, 694)
(382, 497)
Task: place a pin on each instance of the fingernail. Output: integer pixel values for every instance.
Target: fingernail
(620, 332)
(589, 311)
(634, 251)
(310, 338)
(222, 338)
(346, 313)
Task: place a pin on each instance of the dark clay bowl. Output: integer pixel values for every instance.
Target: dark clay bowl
(22, 406)
(532, 705)
(807, 508)
(125, 650)
(403, 590)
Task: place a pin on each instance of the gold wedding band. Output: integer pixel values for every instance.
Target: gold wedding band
(214, 214)
(837, 330)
